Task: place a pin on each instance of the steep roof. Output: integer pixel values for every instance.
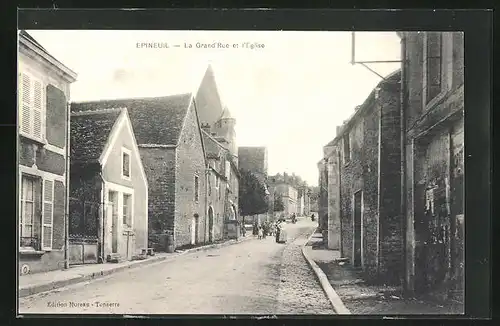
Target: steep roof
(208, 101)
(155, 120)
(212, 146)
(226, 114)
(90, 133)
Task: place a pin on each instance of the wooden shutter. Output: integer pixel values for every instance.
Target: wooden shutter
(48, 212)
(25, 104)
(37, 109)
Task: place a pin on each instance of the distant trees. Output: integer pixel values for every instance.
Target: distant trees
(253, 196)
(279, 206)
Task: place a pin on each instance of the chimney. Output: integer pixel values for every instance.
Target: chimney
(339, 128)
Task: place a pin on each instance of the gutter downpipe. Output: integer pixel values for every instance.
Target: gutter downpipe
(67, 188)
(403, 109)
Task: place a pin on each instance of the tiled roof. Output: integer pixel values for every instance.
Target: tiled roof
(90, 133)
(212, 147)
(155, 120)
(25, 34)
(393, 77)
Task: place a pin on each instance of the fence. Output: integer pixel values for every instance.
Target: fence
(83, 231)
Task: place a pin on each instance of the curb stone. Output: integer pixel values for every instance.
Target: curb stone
(334, 298)
(39, 288)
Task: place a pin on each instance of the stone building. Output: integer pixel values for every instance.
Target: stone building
(363, 188)
(253, 159)
(433, 84)
(219, 137)
(43, 164)
(171, 147)
(288, 194)
(222, 190)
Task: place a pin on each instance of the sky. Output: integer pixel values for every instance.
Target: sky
(287, 94)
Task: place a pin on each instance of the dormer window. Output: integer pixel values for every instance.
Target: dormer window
(126, 163)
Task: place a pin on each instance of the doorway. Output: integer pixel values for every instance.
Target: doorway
(210, 224)
(194, 229)
(358, 197)
(113, 203)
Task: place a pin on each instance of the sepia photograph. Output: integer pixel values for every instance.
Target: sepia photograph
(169, 172)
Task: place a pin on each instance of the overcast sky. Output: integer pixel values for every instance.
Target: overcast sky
(288, 96)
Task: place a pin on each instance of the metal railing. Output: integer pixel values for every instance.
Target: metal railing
(30, 242)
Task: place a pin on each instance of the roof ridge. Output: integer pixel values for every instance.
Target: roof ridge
(97, 111)
(133, 98)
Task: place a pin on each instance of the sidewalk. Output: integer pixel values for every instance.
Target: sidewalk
(366, 299)
(41, 282)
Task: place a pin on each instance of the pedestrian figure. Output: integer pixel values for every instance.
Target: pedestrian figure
(260, 232)
(312, 217)
(255, 228)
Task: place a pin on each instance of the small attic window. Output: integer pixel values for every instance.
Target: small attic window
(125, 163)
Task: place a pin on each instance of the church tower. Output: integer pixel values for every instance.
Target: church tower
(225, 128)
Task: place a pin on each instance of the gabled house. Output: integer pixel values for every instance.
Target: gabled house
(222, 189)
(43, 125)
(170, 143)
(108, 187)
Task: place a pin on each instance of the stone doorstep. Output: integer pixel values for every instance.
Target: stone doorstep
(31, 289)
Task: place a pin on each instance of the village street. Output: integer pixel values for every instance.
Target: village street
(253, 277)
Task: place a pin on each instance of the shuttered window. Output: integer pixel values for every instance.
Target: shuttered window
(48, 214)
(433, 65)
(31, 106)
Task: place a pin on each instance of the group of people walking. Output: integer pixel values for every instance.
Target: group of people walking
(264, 229)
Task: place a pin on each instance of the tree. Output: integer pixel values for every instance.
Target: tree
(253, 198)
(279, 206)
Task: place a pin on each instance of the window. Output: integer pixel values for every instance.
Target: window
(433, 65)
(27, 212)
(125, 163)
(217, 182)
(228, 170)
(48, 213)
(196, 189)
(127, 210)
(347, 148)
(30, 229)
(31, 106)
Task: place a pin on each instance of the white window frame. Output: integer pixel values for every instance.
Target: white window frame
(21, 210)
(126, 151)
(446, 69)
(130, 206)
(43, 105)
(51, 224)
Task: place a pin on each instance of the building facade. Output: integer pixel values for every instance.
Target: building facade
(222, 190)
(322, 201)
(364, 185)
(219, 137)
(433, 81)
(171, 147)
(43, 143)
(108, 187)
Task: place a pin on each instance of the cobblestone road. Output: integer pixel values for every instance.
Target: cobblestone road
(253, 277)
